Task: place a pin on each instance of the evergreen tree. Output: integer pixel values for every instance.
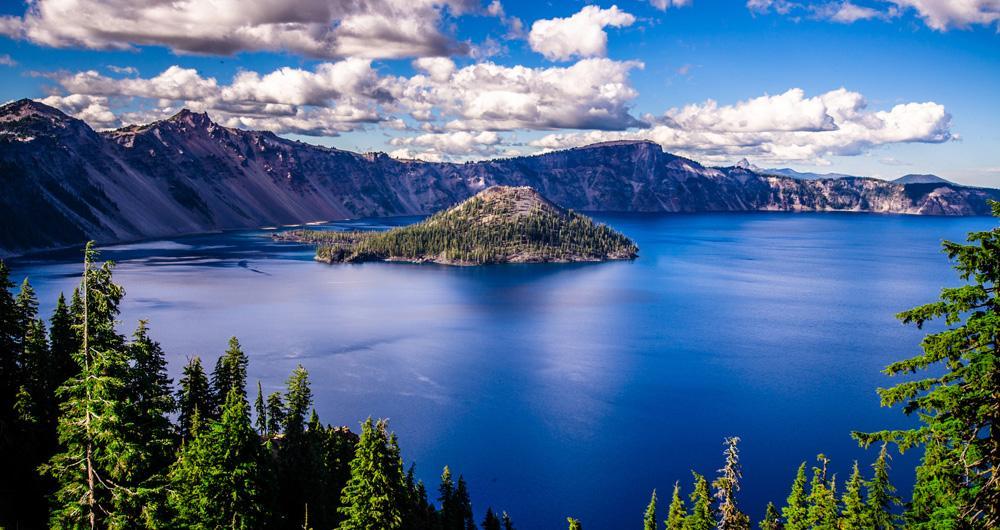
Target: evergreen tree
(853, 514)
(217, 480)
(649, 518)
(491, 521)
(230, 372)
(261, 411)
(151, 403)
(94, 430)
(463, 503)
(574, 524)
(375, 493)
(726, 487)
(299, 469)
(881, 498)
(298, 400)
(772, 519)
(957, 402)
(65, 343)
(451, 513)
(821, 513)
(9, 333)
(702, 515)
(935, 489)
(275, 413)
(678, 512)
(796, 510)
(507, 524)
(194, 399)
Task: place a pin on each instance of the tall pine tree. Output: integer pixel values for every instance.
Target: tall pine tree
(881, 495)
(649, 518)
(796, 510)
(678, 512)
(194, 398)
(375, 494)
(727, 485)
(230, 373)
(702, 515)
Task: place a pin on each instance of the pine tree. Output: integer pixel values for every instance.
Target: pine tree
(726, 488)
(463, 503)
(298, 466)
(375, 493)
(574, 524)
(261, 411)
(298, 400)
(957, 402)
(796, 510)
(881, 498)
(194, 399)
(230, 372)
(507, 524)
(217, 480)
(935, 489)
(491, 521)
(65, 343)
(275, 413)
(451, 518)
(772, 519)
(702, 512)
(822, 499)
(678, 512)
(93, 428)
(10, 504)
(649, 518)
(151, 403)
(853, 515)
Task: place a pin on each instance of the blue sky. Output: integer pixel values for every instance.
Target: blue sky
(876, 87)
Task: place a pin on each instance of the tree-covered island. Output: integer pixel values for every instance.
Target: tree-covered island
(501, 224)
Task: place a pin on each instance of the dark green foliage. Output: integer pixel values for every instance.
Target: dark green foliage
(853, 513)
(375, 494)
(64, 342)
(275, 413)
(261, 411)
(678, 512)
(702, 515)
(512, 224)
(230, 373)
(822, 511)
(218, 479)
(796, 509)
(772, 518)
(881, 498)
(194, 399)
(507, 524)
(649, 518)
(491, 521)
(957, 402)
(299, 458)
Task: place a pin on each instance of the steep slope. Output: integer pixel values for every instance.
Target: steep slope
(502, 224)
(64, 183)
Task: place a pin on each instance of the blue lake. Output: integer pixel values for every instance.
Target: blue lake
(571, 389)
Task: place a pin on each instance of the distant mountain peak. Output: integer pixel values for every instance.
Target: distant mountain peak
(191, 118)
(744, 164)
(22, 108)
(914, 178)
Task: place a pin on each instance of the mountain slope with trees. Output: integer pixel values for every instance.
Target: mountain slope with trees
(64, 183)
(501, 224)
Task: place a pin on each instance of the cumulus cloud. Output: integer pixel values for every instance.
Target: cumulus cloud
(581, 35)
(447, 146)
(95, 110)
(316, 28)
(590, 94)
(782, 128)
(940, 15)
(662, 5)
(340, 96)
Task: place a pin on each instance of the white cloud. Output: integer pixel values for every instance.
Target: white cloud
(783, 128)
(316, 28)
(7, 60)
(581, 35)
(340, 96)
(92, 109)
(592, 93)
(940, 15)
(945, 14)
(664, 4)
(448, 146)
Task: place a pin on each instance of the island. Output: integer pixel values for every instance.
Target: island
(501, 224)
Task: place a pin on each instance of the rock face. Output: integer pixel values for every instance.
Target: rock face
(64, 183)
(502, 224)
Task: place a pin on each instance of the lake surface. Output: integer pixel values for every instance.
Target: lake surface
(571, 389)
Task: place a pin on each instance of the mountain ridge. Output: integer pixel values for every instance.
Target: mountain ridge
(65, 183)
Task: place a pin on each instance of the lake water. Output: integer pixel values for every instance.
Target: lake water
(571, 389)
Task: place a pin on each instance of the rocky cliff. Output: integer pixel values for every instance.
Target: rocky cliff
(64, 183)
